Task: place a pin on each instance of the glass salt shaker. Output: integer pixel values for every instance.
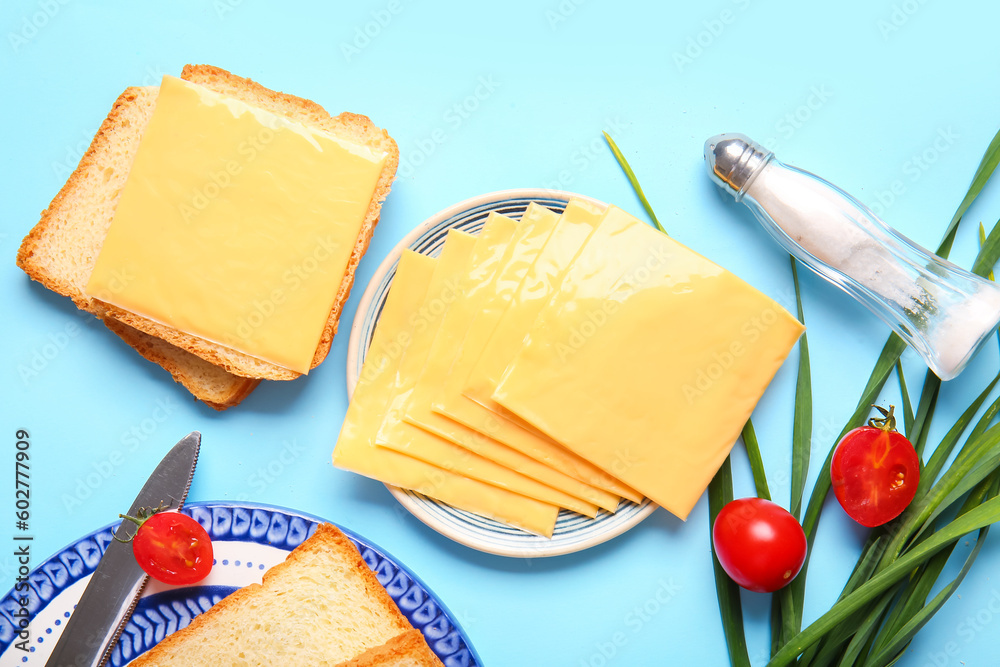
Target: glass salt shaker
(942, 311)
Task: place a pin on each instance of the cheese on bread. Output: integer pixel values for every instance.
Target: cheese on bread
(60, 251)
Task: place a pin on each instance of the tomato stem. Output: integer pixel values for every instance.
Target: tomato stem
(143, 515)
(887, 422)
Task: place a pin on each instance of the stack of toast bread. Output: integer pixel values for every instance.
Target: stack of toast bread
(321, 606)
(61, 250)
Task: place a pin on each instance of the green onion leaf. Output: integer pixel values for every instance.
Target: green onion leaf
(786, 617)
(960, 478)
(756, 463)
(864, 636)
(913, 598)
(894, 649)
(907, 406)
(925, 410)
(885, 364)
(786, 621)
(802, 419)
(989, 253)
(894, 347)
(871, 553)
(911, 614)
(982, 242)
(987, 165)
(633, 180)
(933, 467)
(720, 493)
(979, 517)
(963, 474)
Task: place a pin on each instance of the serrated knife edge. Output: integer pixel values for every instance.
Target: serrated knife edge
(88, 640)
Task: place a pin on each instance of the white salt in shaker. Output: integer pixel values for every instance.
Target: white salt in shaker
(942, 311)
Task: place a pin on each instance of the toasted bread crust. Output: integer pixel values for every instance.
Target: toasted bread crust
(404, 650)
(211, 384)
(35, 254)
(327, 538)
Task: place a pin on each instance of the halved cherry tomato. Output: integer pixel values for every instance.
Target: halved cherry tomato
(875, 471)
(172, 547)
(759, 544)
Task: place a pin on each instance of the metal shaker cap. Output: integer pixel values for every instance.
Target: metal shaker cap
(734, 160)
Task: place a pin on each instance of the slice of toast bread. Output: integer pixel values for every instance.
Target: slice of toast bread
(409, 649)
(206, 381)
(321, 606)
(60, 251)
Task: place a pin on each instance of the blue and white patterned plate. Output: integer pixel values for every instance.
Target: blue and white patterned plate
(247, 540)
(573, 532)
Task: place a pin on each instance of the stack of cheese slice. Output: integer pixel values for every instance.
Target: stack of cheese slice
(561, 361)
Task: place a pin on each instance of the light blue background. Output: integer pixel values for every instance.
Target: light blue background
(875, 96)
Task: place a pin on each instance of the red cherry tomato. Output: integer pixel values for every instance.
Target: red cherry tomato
(875, 471)
(759, 544)
(173, 548)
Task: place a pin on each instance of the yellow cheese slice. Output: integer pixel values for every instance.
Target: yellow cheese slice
(477, 286)
(490, 247)
(460, 249)
(464, 337)
(578, 222)
(236, 225)
(648, 361)
(356, 451)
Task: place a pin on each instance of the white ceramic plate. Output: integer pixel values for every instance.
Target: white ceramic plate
(573, 532)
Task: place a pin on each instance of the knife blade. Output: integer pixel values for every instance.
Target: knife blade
(110, 597)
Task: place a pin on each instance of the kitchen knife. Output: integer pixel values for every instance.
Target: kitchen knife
(110, 598)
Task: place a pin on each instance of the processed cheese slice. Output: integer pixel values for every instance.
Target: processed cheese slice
(578, 222)
(489, 250)
(482, 292)
(356, 451)
(469, 334)
(460, 249)
(590, 482)
(648, 361)
(236, 225)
